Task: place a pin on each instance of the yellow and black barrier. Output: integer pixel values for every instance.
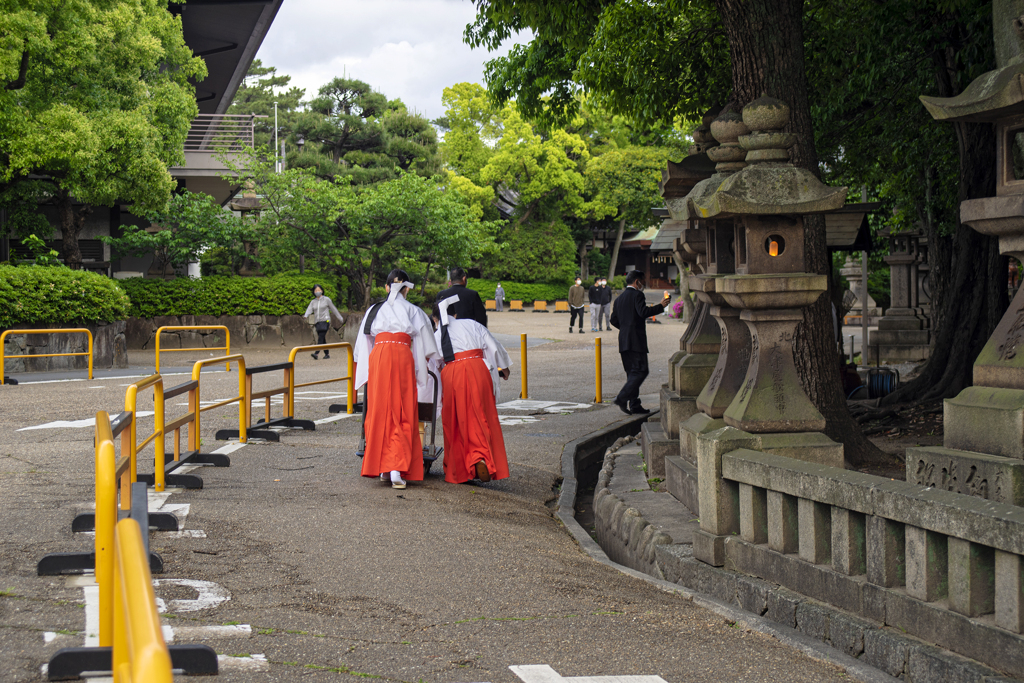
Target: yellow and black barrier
(181, 328)
(259, 429)
(70, 330)
(116, 495)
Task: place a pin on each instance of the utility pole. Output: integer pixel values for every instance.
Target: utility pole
(277, 163)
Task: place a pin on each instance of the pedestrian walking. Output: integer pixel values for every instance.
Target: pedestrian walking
(472, 363)
(469, 304)
(594, 298)
(320, 309)
(499, 299)
(576, 304)
(605, 298)
(630, 315)
(395, 341)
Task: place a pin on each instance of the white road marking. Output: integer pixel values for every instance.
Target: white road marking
(334, 418)
(210, 595)
(250, 663)
(48, 636)
(508, 420)
(92, 615)
(546, 406)
(77, 424)
(184, 633)
(542, 673)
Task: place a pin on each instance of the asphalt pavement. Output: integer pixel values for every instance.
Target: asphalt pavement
(293, 567)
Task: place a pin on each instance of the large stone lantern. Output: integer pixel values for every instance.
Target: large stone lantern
(765, 204)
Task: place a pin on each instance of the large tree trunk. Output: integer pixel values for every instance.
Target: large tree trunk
(71, 223)
(584, 269)
(968, 275)
(767, 51)
(615, 249)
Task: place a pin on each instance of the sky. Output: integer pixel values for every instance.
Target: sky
(407, 49)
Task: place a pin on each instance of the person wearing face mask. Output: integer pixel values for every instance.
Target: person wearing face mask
(594, 297)
(605, 299)
(630, 315)
(576, 304)
(321, 308)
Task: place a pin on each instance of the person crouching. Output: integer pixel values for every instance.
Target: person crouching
(473, 361)
(395, 341)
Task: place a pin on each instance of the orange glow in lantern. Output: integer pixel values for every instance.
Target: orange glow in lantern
(773, 248)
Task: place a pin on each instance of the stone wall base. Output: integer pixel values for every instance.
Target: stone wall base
(247, 331)
(109, 348)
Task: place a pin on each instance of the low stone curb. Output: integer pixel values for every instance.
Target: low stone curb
(581, 454)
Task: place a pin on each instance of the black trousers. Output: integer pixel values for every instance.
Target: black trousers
(635, 365)
(321, 338)
(573, 314)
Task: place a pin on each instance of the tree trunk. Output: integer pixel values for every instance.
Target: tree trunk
(968, 276)
(767, 50)
(615, 249)
(584, 269)
(684, 288)
(70, 228)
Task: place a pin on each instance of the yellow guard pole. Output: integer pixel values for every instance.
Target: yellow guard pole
(522, 360)
(597, 369)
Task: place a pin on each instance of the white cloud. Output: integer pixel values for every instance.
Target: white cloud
(406, 49)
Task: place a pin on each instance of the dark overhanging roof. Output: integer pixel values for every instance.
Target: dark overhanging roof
(226, 34)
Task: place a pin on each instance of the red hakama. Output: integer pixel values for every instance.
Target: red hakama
(471, 429)
(392, 426)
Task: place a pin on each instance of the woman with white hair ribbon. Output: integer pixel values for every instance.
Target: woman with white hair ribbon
(473, 361)
(395, 341)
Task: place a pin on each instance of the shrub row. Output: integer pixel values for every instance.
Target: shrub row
(224, 295)
(519, 290)
(41, 295)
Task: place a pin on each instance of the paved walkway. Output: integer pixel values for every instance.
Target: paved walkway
(293, 567)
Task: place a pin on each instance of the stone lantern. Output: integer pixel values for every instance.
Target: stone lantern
(983, 437)
(765, 204)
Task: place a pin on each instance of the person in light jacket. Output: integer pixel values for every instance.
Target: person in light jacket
(499, 299)
(321, 307)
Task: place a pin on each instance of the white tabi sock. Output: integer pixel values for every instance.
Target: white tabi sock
(396, 477)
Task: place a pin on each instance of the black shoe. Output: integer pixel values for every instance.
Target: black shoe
(638, 410)
(326, 355)
(570, 330)
(622, 406)
(315, 357)
(581, 330)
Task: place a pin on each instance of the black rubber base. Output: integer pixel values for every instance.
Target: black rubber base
(70, 663)
(56, 564)
(229, 434)
(189, 481)
(159, 521)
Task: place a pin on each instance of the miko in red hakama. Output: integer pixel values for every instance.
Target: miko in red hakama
(470, 418)
(392, 425)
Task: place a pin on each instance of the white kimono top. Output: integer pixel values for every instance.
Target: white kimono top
(467, 335)
(399, 316)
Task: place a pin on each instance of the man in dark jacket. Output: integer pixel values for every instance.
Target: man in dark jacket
(469, 304)
(604, 293)
(594, 297)
(629, 315)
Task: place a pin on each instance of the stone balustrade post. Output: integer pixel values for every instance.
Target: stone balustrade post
(927, 564)
(719, 499)
(849, 554)
(886, 548)
(783, 523)
(814, 531)
(971, 577)
(753, 514)
(1009, 593)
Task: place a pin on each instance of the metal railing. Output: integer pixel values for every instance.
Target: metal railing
(70, 330)
(221, 133)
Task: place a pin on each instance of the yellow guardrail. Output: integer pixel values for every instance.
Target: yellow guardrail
(522, 360)
(70, 330)
(157, 437)
(196, 406)
(140, 654)
(179, 328)
(350, 377)
(112, 479)
(597, 370)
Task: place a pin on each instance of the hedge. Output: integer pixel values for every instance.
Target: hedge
(519, 290)
(41, 295)
(224, 295)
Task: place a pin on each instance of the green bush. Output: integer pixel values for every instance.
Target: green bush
(38, 295)
(224, 295)
(518, 290)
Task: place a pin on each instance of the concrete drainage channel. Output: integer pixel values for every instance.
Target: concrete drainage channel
(587, 463)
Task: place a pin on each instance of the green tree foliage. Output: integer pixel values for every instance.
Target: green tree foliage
(180, 232)
(262, 87)
(97, 99)
(38, 295)
(354, 132)
(359, 231)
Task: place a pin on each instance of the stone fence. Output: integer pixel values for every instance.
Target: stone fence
(942, 566)
(109, 348)
(256, 331)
